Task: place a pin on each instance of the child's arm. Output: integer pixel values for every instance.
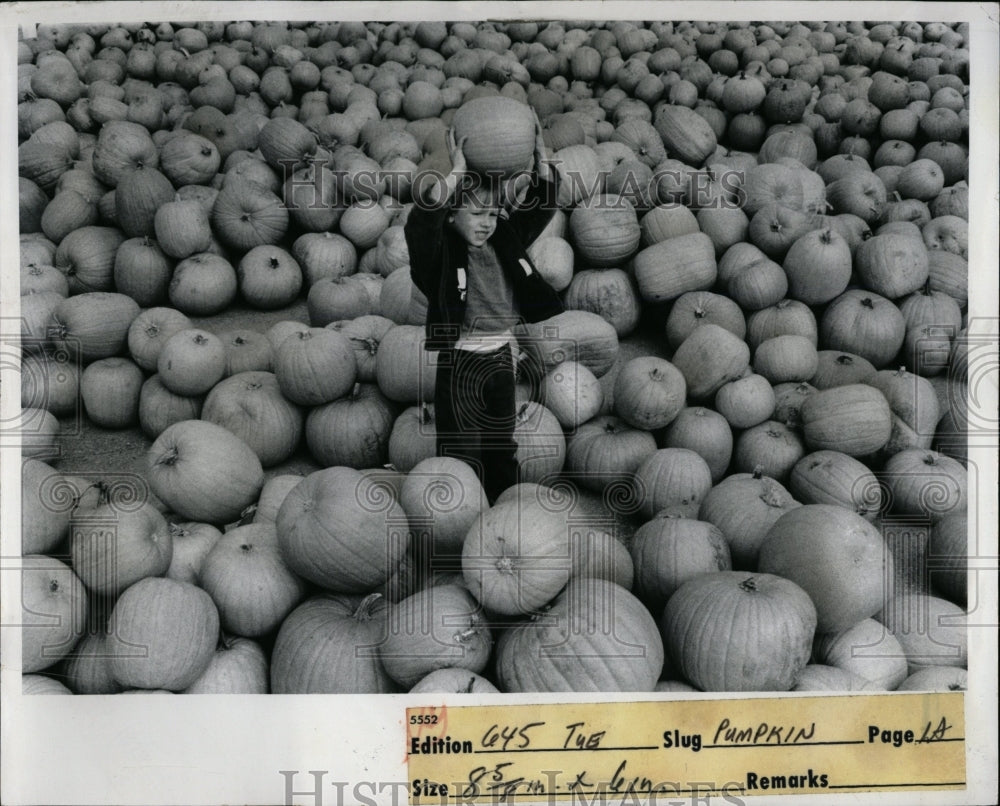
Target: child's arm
(424, 228)
(538, 204)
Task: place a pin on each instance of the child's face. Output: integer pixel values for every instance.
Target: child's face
(476, 220)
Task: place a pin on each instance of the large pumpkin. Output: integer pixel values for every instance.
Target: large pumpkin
(672, 478)
(649, 392)
(707, 433)
(605, 452)
(697, 308)
(352, 431)
(596, 636)
(605, 230)
(867, 650)
(931, 630)
(249, 582)
(87, 257)
(516, 557)
(328, 645)
(709, 358)
(865, 324)
(926, 483)
(315, 366)
(93, 325)
(499, 134)
(246, 215)
(251, 406)
(334, 534)
(837, 557)
(572, 336)
(668, 550)
(686, 134)
(54, 609)
(238, 666)
(163, 634)
(610, 293)
(761, 632)
(442, 496)
(439, 627)
(203, 472)
(832, 477)
(110, 391)
(405, 371)
(853, 419)
(670, 268)
(139, 195)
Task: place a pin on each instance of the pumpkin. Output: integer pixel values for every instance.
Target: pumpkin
(114, 547)
(674, 478)
(666, 270)
(933, 319)
(926, 483)
(251, 406)
(818, 267)
(333, 299)
(850, 550)
(249, 582)
(110, 391)
(332, 536)
(191, 543)
(159, 408)
(572, 336)
(88, 669)
(572, 393)
(949, 273)
(710, 357)
(771, 184)
(203, 472)
(42, 164)
(142, 271)
(767, 656)
(932, 631)
(315, 366)
(936, 678)
(785, 359)
(667, 221)
(182, 228)
(92, 325)
(481, 120)
(189, 159)
(685, 134)
(352, 431)
(832, 477)
(87, 257)
(313, 198)
(47, 501)
(914, 408)
(285, 143)
(863, 323)
(363, 223)
(668, 550)
(605, 230)
(516, 557)
(123, 147)
(175, 623)
(36, 314)
(191, 362)
(581, 174)
(203, 284)
(39, 279)
(138, 196)
(775, 228)
(50, 381)
(864, 649)
(553, 257)
(788, 317)
(746, 402)
(599, 554)
(238, 666)
(439, 627)
(246, 215)
(605, 452)
(54, 610)
(607, 292)
(854, 419)
(707, 433)
(567, 648)
(67, 211)
(269, 277)
(327, 645)
(442, 496)
(696, 308)
(860, 193)
(649, 392)
(454, 680)
(149, 331)
(324, 254)
(771, 447)
(892, 264)
(947, 556)
(413, 437)
(836, 368)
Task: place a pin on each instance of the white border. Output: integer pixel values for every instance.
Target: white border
(207, 750)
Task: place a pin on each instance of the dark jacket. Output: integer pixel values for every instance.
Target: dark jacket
(437, 252)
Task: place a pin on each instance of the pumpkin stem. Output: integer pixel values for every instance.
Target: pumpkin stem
(176, 530)
(758, 471)
(471, 683)
(845, 360)
(364, 611)
(247, 515)
(867, 302)
(169, 457)
(749, 585)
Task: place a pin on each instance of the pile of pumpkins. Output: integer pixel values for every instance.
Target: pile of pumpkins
(761, 244)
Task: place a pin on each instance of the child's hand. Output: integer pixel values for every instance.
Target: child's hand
(455, 153)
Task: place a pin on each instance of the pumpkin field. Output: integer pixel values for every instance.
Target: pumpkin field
(742, 444)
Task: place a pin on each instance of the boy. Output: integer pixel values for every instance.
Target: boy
(467, 256)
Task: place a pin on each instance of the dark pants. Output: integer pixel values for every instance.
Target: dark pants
(474, 410)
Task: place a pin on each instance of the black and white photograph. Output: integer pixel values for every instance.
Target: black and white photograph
(634, 357)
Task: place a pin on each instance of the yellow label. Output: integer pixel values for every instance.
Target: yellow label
(646, 752)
